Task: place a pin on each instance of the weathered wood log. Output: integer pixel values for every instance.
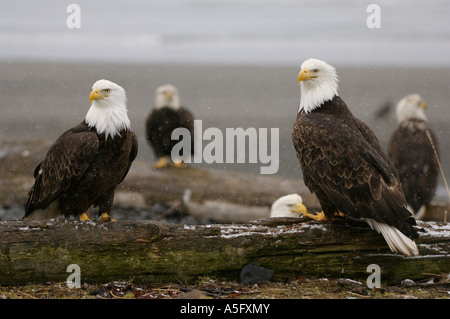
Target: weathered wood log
(149, 251)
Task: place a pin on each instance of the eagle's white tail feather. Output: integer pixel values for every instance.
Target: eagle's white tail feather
(397, 241)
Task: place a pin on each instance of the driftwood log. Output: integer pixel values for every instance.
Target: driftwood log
(149, 251)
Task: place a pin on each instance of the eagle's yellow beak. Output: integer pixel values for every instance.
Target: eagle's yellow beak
(169, 95)
(300, 208)
(423, 105)
(95, 94)
(304, 75)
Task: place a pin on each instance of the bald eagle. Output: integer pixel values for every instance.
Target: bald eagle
(288, 206)
(167, 115)
(86, 163)
(411, 152)
(344, 164)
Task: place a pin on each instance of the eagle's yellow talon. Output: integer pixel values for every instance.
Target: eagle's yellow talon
(339, 214)
(320, 217)
(161, 163)
(84, 216)
(106, 218)
(179, 164)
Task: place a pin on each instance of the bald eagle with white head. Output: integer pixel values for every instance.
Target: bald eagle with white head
(288, 206)
(411, 151)
(86, 163)
(166, 116)
(344, 164)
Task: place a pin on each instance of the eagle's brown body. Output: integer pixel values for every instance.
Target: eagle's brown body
(159, 127)
(81, 169)
(343, 163)
(411, 152)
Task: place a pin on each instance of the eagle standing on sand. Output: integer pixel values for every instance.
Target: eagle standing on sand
(86, 163)
(411, 152)
(343, 162)
(167, 115)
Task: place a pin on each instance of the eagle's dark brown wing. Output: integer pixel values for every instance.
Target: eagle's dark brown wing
(62, 167)
(346, 170)
(133, 152)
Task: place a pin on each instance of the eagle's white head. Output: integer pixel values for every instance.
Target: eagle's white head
(318, 82)
(167, 95)
(288, 206)
(108, 111)
(411, 107)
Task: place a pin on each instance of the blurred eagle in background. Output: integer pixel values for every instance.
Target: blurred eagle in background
(411, 151)
(290, 205)
(166, 116)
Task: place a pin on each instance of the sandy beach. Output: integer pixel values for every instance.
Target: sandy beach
(42, 99)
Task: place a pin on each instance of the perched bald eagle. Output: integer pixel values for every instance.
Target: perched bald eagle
(288, 206)
(86, 163)
(167, 115)
(411, 152)
(343, 162)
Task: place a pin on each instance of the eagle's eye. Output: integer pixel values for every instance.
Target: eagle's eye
(107, 91)
(315, 70)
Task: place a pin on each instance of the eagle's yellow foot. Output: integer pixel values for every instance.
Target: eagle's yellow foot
(161, 163)
(106, 218)
(179, 164)
(339, 214)
(320, 217)
(84, 216)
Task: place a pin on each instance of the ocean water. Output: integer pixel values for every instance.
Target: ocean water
(411, 33)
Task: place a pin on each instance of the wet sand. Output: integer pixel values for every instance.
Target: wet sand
(41, 100)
